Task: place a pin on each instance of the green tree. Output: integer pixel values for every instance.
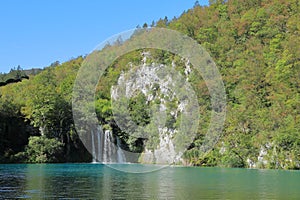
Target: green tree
(43, 150)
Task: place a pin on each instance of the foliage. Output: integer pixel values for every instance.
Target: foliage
(255, 45)
(43, 150)
(40, 106)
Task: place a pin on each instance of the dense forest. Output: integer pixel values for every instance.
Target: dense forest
(255, 45)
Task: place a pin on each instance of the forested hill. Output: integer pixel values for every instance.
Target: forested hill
(17, 75)
(255, 45)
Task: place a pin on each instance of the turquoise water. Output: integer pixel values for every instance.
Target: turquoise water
(97, 181)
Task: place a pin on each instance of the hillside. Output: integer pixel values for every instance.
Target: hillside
(255, 45)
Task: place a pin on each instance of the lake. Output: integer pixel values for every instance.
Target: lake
(98, 181)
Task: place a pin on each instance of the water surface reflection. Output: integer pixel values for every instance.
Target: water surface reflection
(96, 181)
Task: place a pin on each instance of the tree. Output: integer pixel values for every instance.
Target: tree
(43, 150)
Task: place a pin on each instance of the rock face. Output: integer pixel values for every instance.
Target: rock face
(169, 96)
(165, 152)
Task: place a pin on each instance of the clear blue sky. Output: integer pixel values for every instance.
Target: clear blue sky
(37, 33)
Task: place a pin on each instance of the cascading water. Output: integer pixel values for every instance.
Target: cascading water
(93, 148)
(107, 147)
(104, 149)
(120, 153)
(99, 144)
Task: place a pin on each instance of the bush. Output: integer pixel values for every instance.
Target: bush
(43, 150)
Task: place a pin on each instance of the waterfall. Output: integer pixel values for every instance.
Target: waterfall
(99, 135)
(104, 149)
(120, 153)
(93, 148)
(107, 147)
